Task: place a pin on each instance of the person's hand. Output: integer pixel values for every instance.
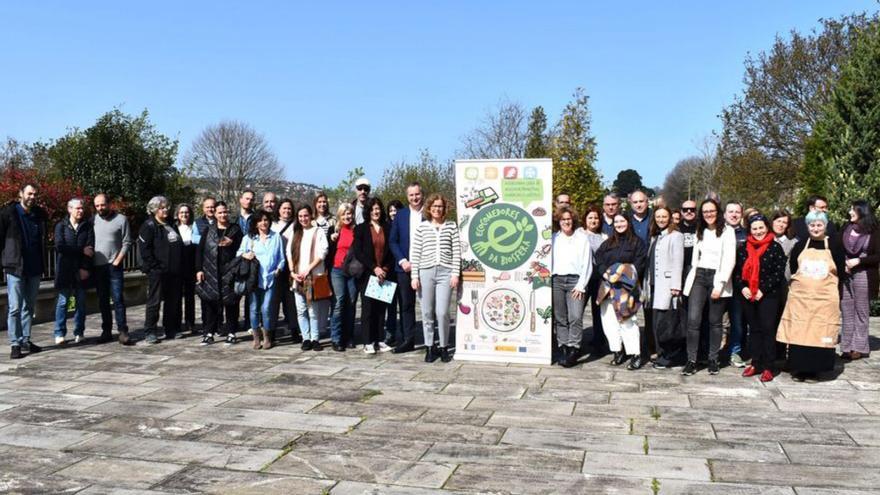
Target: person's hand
(224, 241)
(248, 255)
(89, 251)
(415, 284)
(334, 236)
(117, 262)
(200, 277)
(83, 274)
(747, 293)
(407, 266)
(453, 282)
(577, 295)
(716, 294)
(853, 262)
(379, 273)
(675, 292)
(759, 295)
(302, 276)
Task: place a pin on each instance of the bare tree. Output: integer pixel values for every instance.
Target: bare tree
(230, 157)
(501, 134)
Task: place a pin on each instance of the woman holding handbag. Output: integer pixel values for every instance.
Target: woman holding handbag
(344, 287)
(372, 249)
(267, 247)
(663, 282)
(305, 254)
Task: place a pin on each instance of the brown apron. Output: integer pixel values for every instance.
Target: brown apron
(812, 312)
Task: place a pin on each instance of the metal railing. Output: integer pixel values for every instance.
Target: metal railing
(129, 264)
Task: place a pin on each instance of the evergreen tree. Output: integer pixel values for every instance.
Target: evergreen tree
(573, 151)
(845, 146)
(536, 139)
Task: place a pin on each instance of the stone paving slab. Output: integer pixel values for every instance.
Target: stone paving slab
(182, 418)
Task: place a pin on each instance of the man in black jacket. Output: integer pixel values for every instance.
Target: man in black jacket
(22, 230)
(161, 249)
(814, 203)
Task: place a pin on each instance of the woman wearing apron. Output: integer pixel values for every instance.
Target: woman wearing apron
(811, 321)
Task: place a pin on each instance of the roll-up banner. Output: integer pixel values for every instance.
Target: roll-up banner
(505, 218)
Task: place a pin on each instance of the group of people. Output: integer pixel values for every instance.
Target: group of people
(278, 256)
(715, 285)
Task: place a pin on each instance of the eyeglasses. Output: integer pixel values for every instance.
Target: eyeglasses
(689, 210)
(438, 207)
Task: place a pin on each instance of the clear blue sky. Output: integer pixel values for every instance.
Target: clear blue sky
(343, 84)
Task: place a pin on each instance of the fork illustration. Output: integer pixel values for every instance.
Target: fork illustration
(475, 298)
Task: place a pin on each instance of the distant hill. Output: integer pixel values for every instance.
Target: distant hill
(297, 191)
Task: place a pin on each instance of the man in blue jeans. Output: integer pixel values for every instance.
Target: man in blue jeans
(734, 326)
(22, 230)
(112, 243)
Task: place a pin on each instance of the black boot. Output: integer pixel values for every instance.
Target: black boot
(618, 359)
(444, 355)
(106, 336)
(431, 353)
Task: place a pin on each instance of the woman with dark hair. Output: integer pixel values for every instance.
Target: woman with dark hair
(758, 278)
(284, 226)
(571, 270)
(862, 247)
(372, 249)
(185, 219)
(324, 219)
(215, 277)
(783, 234)
(621, 260)
(265, 246)
(663, 283)
(396, 305)
(305, 255)
(593, 229)
(709, 282)
(811, 321)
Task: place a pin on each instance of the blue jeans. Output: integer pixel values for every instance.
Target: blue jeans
(109, 281)
(342, 320)
(79, 315)
(261, 305)
(736, 326)
(21, 293)
(312, 317)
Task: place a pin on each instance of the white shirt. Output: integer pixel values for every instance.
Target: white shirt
(415, 219)
(186, 233)
(305, 250)
(573, 255)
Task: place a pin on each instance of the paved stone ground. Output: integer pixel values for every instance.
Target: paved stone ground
(180, 418)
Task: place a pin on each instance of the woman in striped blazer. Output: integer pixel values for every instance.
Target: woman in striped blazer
(436, 261)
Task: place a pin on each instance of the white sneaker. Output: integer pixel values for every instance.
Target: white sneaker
(383, 347)
(369, 349)
(78, 339)
(250, 331)
(60, 341)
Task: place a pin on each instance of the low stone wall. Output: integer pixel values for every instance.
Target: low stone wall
(135, 293)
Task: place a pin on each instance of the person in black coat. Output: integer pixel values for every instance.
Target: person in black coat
(74, 257)
(215, 275)
(161, 249)
(372, 249)
(759, 282)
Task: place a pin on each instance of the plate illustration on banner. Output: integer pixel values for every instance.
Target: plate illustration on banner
(503, 310)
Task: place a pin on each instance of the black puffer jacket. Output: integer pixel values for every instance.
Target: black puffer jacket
(216, 263)
(159, 255)
(69, 257)
(10, 236)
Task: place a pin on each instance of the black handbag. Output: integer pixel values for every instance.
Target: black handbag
(351, 266)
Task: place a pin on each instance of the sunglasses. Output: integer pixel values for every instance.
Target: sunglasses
(689, 210)
(363, 188)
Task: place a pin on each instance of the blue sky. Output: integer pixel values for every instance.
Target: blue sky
(345, 84)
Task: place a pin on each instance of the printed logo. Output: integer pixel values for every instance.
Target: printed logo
(503, 236)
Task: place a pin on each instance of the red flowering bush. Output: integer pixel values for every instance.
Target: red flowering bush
(52, 196)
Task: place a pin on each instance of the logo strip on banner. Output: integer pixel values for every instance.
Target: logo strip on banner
(504, 215)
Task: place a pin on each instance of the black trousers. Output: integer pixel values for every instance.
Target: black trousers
(599, 343)
(761, 318)
(189, 301)
(212, 317)
(164, 290)
(700, 296)
(372, 319)
(285, 300)
(407, 307)
(669, 351)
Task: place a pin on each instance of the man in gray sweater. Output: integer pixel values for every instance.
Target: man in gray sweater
(112, 242)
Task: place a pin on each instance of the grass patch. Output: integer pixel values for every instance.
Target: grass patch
(632, 425)
(711, 470)
(645, 444)
(370, 393)
(655, 486)
(286, 450)
(655, 413)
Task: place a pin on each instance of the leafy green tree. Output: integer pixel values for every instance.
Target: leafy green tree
(845, 146)
(344, 191)
(536, 138)
(124, 156)
(626, 182)
(573, 150)
(434, 176)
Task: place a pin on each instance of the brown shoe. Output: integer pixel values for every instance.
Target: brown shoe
(267, 339)
(258, 335)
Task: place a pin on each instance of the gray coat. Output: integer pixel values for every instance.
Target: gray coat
(668, 267)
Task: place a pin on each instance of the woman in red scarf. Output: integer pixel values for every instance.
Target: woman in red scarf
(758, 279)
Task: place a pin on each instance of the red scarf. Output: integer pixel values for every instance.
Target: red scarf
(752, 266)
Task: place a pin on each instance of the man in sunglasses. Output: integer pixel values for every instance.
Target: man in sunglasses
(688, 227)
(362, 189)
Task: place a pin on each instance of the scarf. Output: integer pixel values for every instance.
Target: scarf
(855, 245)
(752, 267)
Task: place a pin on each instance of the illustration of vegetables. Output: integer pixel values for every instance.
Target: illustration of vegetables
(545, 313)
(501, 276)
(465, 309)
